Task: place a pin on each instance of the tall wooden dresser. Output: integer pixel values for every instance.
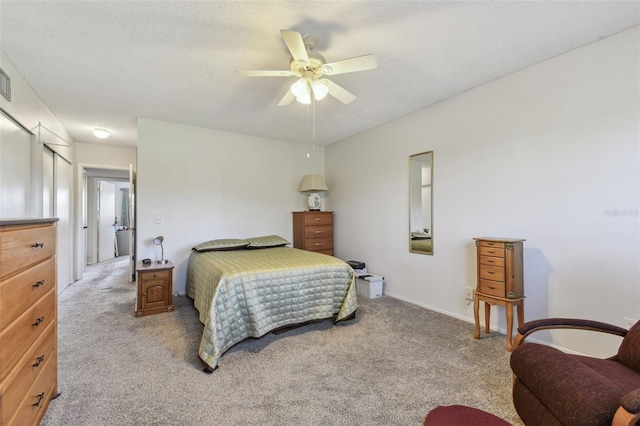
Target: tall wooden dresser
(28, 319)
(500, 280)
(313, 231)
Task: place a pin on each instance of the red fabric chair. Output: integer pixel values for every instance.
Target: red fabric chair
(459, 415)
(551, 387)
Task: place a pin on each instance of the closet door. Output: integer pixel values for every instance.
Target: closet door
(48, 183)
(62, 181)
(16, 166)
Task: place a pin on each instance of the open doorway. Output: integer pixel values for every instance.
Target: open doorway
(107, 215)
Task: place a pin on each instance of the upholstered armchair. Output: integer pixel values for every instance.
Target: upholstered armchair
(551, 387)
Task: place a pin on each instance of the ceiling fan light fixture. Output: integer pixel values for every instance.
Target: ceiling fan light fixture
(300, 88)
(320, 89)
(304, 98)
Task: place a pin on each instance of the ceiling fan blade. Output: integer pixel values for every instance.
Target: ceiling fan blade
(360, 63)
(296, 46)
(339, 93)
(264, 73)
(287, 99)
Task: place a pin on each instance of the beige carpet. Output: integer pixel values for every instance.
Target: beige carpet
(390, 366)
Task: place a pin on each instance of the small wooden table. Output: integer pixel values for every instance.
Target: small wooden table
(155, 288)
(494, 300)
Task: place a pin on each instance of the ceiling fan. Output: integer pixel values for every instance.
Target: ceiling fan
(310, 68)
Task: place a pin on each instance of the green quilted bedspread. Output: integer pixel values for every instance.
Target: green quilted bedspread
(248, 293)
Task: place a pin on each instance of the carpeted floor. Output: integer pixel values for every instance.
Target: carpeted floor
(390, 366)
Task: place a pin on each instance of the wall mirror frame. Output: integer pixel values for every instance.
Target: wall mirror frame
(421, 203)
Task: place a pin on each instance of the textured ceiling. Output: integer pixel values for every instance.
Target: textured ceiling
(104, 63)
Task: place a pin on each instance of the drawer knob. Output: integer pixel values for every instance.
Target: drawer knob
(318, 219)
(38, 284)
(490, 272)
(319, 232)
(37, 245)
(155, 275)
(38, 322)
(319, 244)
(490, 261)
(39, 361)
(491, 251)
(40, 398)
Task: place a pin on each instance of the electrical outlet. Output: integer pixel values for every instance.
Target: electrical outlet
(469, 293)
(629, 322)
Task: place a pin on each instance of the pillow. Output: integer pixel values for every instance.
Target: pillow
(267, 241)
(222, 244)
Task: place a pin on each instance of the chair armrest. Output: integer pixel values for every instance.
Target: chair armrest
(631, 401)
(565, 323)
(629, 411)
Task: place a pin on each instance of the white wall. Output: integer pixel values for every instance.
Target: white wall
(207, 184)
(547, 154)
(27, 107)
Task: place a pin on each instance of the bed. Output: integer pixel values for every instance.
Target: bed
(249, 291)
(421, 244)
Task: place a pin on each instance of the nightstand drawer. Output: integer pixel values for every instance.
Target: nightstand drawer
(154, 275)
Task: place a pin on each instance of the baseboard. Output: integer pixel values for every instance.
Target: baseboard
(472, 321)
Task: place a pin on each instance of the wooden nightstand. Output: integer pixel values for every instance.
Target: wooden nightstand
(500, 281)
(155, 288)
(313, 231)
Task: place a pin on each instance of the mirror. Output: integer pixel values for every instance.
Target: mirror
(421, 203)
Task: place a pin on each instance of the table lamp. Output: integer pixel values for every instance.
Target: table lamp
(313, 184)
(158, 241)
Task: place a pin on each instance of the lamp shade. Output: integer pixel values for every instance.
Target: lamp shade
(313, 183)
(158, 241)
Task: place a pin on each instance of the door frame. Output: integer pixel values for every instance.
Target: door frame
(118, 172)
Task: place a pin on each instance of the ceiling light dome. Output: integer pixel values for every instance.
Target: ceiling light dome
(101, 133)
(320, 89)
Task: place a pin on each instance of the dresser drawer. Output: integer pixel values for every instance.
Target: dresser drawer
(23, 290)
(16, 338)
(316, 244)
(153, 275)
(492, 261)
(494, 273)
(312, 218)
(492, 288)
(26, 246)
(27, 370)
(318, 231)
(491, 251)
(494, 244)
(31, 407)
